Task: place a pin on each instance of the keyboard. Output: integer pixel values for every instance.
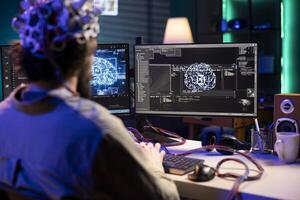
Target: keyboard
(179, 165)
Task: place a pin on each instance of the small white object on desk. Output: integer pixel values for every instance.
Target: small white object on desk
(256, 125)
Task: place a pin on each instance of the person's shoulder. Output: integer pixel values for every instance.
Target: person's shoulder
(95, 113)
(86, 106)
(5, 104)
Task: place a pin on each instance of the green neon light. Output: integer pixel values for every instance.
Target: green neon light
(282, 77)
(282, 38)
(227, 37)
(227, 11)
(224, 7)
(287, 54)
(281, 20)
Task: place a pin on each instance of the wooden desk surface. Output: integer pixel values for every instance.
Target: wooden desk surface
(279, 181)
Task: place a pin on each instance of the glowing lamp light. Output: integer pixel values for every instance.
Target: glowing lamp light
(178, 30)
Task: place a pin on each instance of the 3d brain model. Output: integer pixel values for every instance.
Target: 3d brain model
(199, 77)
(103, 72)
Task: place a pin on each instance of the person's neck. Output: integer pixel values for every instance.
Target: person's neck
(71, 83)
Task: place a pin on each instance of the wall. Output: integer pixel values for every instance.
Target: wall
(204, 17)
(146, 18)
(8, 9)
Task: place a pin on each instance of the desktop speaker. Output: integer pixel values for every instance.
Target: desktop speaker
(286, 113)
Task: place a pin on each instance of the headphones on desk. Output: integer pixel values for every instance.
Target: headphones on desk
(226, 140)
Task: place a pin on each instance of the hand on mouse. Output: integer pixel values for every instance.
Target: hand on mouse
(153, 154)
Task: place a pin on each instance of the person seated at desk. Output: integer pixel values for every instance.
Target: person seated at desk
(56, 144)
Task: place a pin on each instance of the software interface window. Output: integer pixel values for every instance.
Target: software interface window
(110, 78)
(211, 79)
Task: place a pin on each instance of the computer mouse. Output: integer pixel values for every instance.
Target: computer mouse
(202, 173)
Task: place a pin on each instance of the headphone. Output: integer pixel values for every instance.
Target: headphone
(210, 138)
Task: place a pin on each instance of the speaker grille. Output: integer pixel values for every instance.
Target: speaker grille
(286, 125)
(287, 106)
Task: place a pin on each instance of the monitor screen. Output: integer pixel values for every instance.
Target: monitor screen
(110, 77)
(11, 75)
(196, 79)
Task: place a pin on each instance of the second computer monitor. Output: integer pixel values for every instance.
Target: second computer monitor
(110, 77)
(196, 79)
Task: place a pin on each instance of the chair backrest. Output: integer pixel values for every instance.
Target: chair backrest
(11, 195)
(3, 195)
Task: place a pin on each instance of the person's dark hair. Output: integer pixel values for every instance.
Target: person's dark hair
(71, 61)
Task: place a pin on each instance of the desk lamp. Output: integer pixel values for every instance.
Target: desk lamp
(178, 30)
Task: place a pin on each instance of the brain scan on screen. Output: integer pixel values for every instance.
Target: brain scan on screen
(108, 71)
(104, 72)
(109, 84)
(199, 77)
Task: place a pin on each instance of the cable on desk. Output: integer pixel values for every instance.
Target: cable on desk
(239, 178)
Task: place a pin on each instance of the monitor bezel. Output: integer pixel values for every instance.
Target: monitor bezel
(199, 114)
(2, 70)
(126, 46)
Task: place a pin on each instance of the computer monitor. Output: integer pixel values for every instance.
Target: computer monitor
(11, 75)
(196, 79)
(110, 76)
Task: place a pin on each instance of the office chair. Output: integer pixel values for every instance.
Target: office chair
(3, 195)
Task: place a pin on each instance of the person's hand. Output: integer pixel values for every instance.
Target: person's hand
(153, 154)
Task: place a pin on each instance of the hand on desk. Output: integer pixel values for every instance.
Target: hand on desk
(153, 154)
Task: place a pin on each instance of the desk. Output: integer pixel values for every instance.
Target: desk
(279, 181)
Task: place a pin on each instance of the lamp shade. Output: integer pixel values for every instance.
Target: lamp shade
(178, 30)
